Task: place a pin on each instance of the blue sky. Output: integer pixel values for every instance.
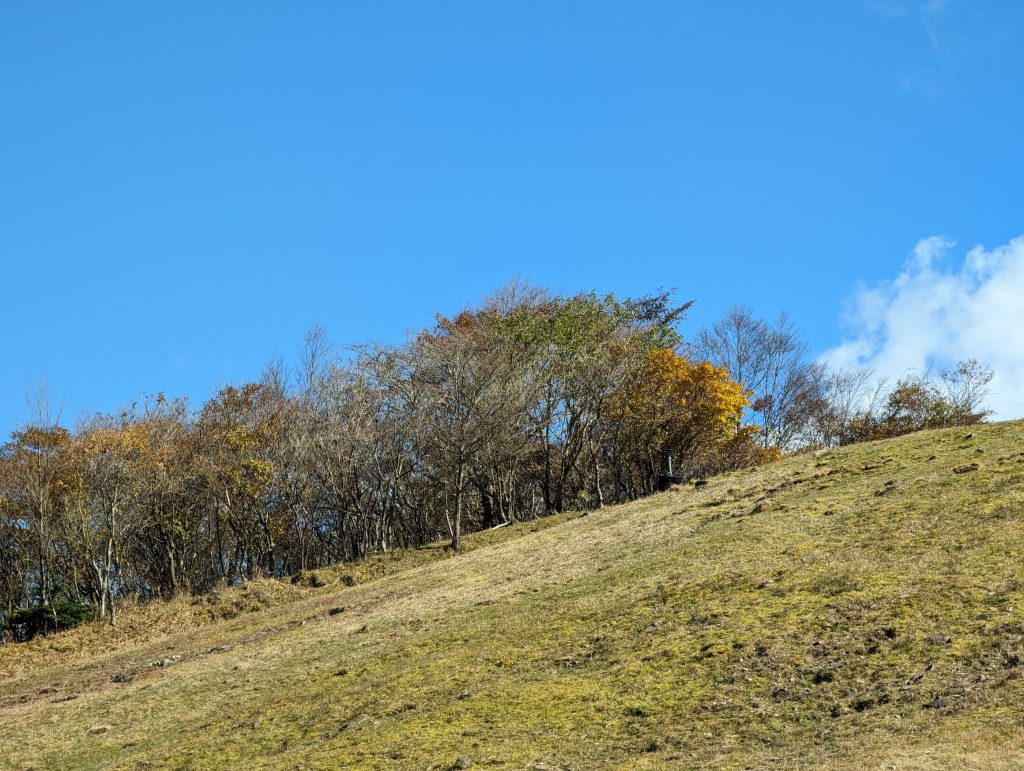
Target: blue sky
(186, 187)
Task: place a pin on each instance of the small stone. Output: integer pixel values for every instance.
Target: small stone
(966, 468)
(357, 722)
(464, 695)
(938, 702)
(463, 761)
(654, 626)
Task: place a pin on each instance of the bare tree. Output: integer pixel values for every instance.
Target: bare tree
(842, 396)
(965, 388)
(771, 361)
(35, 464)
(471, 401)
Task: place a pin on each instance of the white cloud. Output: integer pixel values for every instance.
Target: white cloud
(935, 314)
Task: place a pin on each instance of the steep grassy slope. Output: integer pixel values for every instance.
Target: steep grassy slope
(862, 608)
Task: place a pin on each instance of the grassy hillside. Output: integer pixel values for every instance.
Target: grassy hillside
(861, 608)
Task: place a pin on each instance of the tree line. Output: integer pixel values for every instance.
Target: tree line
(527, 404)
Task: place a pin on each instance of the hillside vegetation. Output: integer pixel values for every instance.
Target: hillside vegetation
(856, 608)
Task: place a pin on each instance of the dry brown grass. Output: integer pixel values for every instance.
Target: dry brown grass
(790, 617)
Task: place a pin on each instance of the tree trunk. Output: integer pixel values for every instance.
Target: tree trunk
(457, 530)
(597, 474)
(488, 512)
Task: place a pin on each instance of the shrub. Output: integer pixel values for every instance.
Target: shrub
(26, 623)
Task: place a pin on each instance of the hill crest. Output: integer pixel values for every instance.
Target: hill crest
(856, 608)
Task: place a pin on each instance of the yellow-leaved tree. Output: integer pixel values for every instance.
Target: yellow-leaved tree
(692, 410)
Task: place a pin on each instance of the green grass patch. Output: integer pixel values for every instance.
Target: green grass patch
(860, 608)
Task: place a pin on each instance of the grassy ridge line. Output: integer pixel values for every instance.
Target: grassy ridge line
(799, 615)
